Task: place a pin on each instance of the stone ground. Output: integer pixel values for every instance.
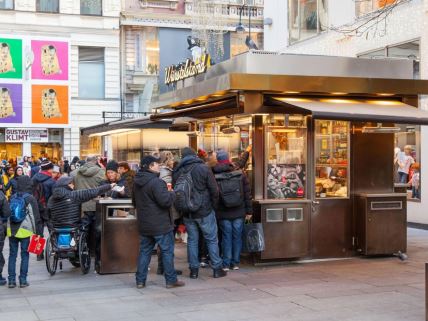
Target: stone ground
(358, 289)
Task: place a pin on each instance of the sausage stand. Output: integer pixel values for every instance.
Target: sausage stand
(322, 135)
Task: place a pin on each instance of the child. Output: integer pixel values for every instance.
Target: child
(404, 163)
(415, 181)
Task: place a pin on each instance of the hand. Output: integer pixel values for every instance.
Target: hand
(112, 185)
(249, 148)
(248, 217)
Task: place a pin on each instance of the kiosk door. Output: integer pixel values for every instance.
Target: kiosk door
(331, 218)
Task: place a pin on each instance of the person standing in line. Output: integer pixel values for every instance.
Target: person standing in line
(20, 232)
(404, 163)
(153, 201)
(204, 217)
(234, 206)
(127, 175)
(4, 214)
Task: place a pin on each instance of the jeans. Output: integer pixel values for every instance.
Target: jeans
(166, 244)
(415, 192)
(13, 254)
(2, 237)
(403, 177)
(208, 226)
(231, 240)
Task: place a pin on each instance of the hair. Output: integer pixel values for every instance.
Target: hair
(409, 147)
(125, 165)
(416, 166)
(16, 170)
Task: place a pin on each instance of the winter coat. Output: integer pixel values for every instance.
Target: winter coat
(47, 182)
(152, 201)
(89, 176)
(4, 208)
(203, 181)
(128, 179)
(64, 207)
(7, 185)
(114, 194)
(242, 161)
(31, 223)
(166, 175)
(11, 186)
(223, 212)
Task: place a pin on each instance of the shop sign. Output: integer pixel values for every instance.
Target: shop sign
(187, 69)
(26, 135)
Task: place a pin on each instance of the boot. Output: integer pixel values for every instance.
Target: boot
(194, 273)
(40, 257)
(175, 285)
(219, 273)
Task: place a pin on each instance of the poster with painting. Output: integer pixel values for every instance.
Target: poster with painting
(50, 104)
(10, 103)
(10, 58)
(286, 181)
(50, 60)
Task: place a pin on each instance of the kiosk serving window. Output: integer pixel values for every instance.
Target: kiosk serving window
(331, 158)
(286, 156)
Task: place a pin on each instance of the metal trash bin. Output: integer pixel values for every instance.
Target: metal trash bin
(119, 237)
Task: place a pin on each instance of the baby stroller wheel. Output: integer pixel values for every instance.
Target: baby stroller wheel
(84, 255)
(51, 257)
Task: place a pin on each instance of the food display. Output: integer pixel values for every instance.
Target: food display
(331, 158)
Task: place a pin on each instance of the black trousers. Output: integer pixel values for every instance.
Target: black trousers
(94, 234)
(2, 238)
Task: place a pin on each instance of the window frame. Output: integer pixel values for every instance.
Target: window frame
(92, 14)
(92, 62)
(42, 11)
(13, 6)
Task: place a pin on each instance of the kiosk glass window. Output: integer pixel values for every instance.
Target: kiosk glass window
(286, 156)
(332, 158)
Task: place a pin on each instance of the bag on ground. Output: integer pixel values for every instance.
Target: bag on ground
(253, 239)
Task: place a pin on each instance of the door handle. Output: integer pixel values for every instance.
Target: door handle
(315, 202)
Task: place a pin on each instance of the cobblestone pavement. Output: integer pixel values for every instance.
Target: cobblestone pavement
(358, 289)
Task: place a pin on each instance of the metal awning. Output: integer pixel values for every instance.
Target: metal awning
(391, 111)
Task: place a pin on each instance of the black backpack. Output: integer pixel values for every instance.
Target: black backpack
(39, 195)
(231, 188)
(187, 198)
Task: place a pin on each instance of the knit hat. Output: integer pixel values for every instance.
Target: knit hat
(147, 160)
(24, 184)
(202, 154)
(187, 151)
(46, 165)
(222, 155)
(112, 166)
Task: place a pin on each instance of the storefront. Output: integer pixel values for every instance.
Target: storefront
(323, 131)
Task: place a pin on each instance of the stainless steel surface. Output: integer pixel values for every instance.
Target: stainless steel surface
(119, 241)
(383, 195)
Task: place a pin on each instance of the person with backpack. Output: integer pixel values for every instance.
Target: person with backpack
(22, 224)
(234, 206)
(153, 201)
(42, 190)
(4, 215)
(196, 197)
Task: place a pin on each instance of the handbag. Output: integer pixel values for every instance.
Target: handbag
(253, 239)
(37, 244)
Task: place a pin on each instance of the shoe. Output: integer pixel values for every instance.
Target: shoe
(204, 262)
(141, 285)
(226, 269)
(178, 272)
(177, 284)
(219, 273)
(24, 284)
(40, 257)
(234, 267)
(12, 284)
(194, 273)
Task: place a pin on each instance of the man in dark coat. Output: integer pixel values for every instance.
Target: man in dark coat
(153, 201)
(231, 219)
(4, 214)
(204, 218)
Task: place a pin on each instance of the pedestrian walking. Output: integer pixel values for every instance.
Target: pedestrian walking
(193, 173)
(4, 215)
(152, 201)
(234, 206)
(19, 232)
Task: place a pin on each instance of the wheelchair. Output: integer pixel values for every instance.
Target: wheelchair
(67, 243)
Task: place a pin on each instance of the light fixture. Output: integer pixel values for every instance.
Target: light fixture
(384, 102)
(380, 130)
(338, 93)
(291, 92)
(385, 94)
(240, 28)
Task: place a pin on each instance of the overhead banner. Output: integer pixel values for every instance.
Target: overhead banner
(26, 135)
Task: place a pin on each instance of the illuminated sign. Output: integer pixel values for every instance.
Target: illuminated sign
(187, 69)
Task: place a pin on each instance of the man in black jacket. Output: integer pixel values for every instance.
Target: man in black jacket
(204, 217)
(153, 201)
(5, 213)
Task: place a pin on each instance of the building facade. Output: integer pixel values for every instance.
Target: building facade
(59, 71)
(373, 29)
(154, 36)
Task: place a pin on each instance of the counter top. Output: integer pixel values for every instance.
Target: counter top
(283, 201)
(385, 195)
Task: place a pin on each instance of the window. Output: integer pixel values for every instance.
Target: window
(306, 18)
(363, 7)
(51, 6)
(331, 158)
(91, 7)
(6, 4)
(286, 156)
(91, 73)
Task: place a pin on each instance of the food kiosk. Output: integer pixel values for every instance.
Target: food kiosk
(322, 135)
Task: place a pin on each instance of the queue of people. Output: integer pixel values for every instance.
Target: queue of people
(207, 192)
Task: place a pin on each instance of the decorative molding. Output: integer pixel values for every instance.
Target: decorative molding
(163, 4)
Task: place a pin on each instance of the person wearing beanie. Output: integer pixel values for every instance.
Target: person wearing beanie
(19, 233)
(42, 191)
(56, 173)
(233, 209)
(203, 218)
(152, 201)
(113, 176)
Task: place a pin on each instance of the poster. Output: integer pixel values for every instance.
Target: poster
(286, 181)
(10, 58)
(10, 103)
(50, 60)
(50, 104)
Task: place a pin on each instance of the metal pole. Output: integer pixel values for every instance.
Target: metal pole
(426, 291)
